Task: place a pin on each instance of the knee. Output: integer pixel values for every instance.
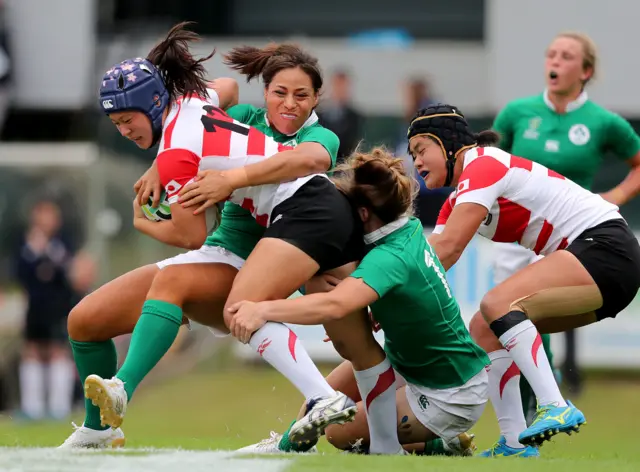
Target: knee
(478, 327)
(167, 285)
(492, 306)
(83, 323)
(336, 437)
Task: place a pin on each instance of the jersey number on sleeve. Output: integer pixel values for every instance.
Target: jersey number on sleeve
(213, 119)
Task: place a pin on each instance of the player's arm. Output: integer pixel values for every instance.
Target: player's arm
(480, 185)
(315, 153)
(378, 273)
(625, 144)
(185, 230)
(227, 91)
(305, 159)
(443, 216)
(629, 187)
(462, 225)
(348, 296)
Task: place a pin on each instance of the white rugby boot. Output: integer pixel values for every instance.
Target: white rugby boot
(86, 438)
(271, 445)
(108, 395)
(336, 409)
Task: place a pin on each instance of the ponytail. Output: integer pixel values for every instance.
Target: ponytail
(181, 72)
(266, 62)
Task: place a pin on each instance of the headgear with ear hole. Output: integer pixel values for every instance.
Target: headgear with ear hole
(446, 125)
(135, 85)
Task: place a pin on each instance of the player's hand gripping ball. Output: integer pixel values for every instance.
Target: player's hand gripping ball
(163, 212)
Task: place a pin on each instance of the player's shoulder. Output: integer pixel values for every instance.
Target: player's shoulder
(247, 114)
(599, 113)
(483, 157)
(526, 104)
(183, 128)
(385, 255)
(313, 127)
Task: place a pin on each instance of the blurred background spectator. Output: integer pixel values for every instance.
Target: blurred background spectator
(338, 114)
(42, 269)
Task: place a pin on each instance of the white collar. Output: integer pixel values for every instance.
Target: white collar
(312, 120)
(571, 106)
(385, 230)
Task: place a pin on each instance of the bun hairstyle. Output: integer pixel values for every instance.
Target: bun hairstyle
(181, 72)
(266, 62)
(377, 180)
(487, 138)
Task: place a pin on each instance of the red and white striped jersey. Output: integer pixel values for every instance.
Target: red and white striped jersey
(528, 203)
(198, 135)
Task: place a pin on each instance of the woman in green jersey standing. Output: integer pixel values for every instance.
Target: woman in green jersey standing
(403, 282)
(201, 279)
(566, 132)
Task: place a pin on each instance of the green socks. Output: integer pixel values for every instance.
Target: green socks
(435, 447)
(152, 337)
(98, 358)
(286, 446)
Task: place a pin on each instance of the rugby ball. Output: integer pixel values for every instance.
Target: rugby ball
(163, 212)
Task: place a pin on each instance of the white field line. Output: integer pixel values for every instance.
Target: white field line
(131, 460)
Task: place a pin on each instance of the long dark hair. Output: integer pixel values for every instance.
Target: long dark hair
(181, 72)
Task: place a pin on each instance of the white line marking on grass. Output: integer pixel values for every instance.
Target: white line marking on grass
(130, 460)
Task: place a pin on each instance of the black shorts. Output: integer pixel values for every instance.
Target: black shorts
(611, 254)
(319, 220)
(42, 326)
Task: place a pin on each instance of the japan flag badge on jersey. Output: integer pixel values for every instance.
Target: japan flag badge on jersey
(464, 185)
(172, 187)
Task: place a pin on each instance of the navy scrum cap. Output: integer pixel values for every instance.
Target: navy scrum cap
(135, 85)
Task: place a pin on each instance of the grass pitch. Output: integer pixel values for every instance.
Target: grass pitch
(191, 423)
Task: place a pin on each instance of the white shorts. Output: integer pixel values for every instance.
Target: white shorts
(204, 255)
(449, 412)
(509, 258)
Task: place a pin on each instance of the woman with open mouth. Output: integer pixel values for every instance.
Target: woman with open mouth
(568, 133)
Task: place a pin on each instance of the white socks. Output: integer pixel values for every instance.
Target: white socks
(377, 387)
(504, 392)
(32, 392)
(525, 347)
(279, 346)
(61, 376)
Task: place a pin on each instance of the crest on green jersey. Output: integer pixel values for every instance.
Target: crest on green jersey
(579, 134)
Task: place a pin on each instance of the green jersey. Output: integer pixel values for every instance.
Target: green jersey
(426, 340)
(238, 231)
(572, 143)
